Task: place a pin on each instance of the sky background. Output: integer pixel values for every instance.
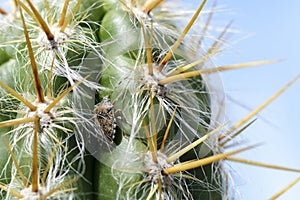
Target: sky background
(267, 30)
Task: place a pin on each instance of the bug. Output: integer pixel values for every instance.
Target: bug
(105, 117)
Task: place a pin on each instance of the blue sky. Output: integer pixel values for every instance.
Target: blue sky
(267, 30)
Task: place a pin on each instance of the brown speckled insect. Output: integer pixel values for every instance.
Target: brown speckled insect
(105, 117)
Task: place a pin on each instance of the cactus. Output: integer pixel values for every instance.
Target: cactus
(113, 99)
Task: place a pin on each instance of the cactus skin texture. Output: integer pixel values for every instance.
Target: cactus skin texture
(112, 99)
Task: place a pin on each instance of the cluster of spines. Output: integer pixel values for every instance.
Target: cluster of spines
(41, 138)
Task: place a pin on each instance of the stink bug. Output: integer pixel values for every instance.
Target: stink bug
(105, 117)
